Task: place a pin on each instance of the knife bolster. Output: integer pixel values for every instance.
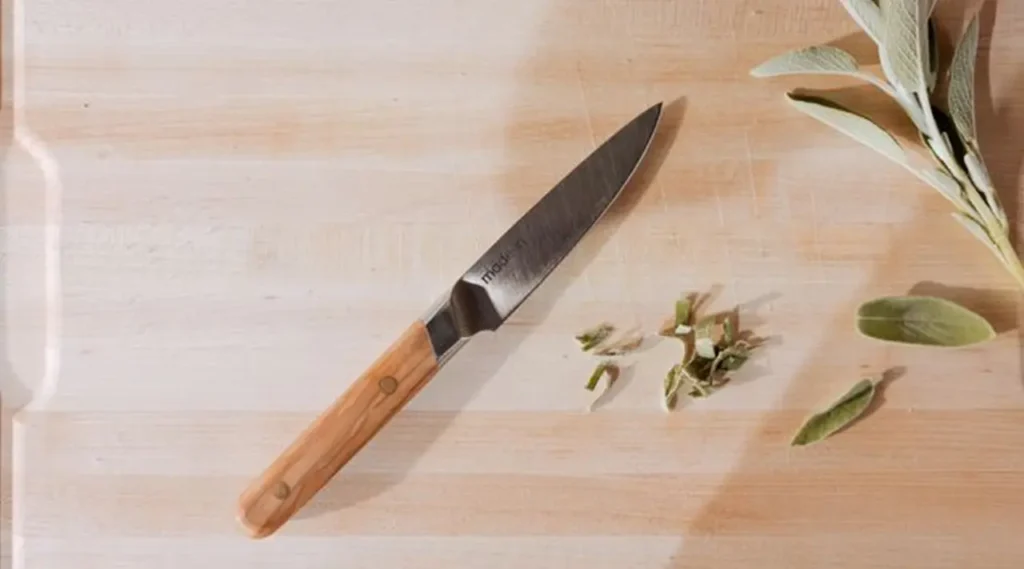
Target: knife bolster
(443, 332)
(450, 322)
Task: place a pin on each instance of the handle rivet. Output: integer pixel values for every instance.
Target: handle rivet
(281, 491)
(388, 384)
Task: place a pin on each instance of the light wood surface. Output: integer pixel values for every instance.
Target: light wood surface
(339, 432)
(257, 198)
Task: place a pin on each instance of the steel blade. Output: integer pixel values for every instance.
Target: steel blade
(516, 264)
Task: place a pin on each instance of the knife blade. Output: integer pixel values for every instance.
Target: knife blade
(481, 300)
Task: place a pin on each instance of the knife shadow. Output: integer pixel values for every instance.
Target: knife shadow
(469, 371)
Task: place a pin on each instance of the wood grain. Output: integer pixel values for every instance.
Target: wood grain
(257, 202)
(338, 433)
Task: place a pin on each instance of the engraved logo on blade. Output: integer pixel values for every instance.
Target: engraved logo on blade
(503, 260)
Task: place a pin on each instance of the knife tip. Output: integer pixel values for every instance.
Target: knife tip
(656, 110)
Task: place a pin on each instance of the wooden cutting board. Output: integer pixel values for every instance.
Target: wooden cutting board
(218, 213)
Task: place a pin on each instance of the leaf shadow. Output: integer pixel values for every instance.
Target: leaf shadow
(749, 312)
(1000, 122)
(756, 368)
(748, 319)
(860, 46)
(996, 306)
(950, 18)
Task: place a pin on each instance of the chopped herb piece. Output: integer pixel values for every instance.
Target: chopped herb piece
(592, 337)
(683, 308)
(607, 369)
(712, 349)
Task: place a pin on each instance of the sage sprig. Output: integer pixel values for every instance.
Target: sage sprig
(905, 35)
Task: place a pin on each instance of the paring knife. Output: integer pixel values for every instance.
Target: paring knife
(482, 299)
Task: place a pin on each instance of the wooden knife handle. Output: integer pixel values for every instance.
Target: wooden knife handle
(338, 433)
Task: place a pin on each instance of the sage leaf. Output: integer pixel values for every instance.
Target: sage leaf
(922, 320)
(903, 40)
(867, 15)
(961, 83)
(844, 411)
(856, 126)
(819, 59)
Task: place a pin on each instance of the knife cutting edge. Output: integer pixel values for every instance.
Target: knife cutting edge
(482, 299)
